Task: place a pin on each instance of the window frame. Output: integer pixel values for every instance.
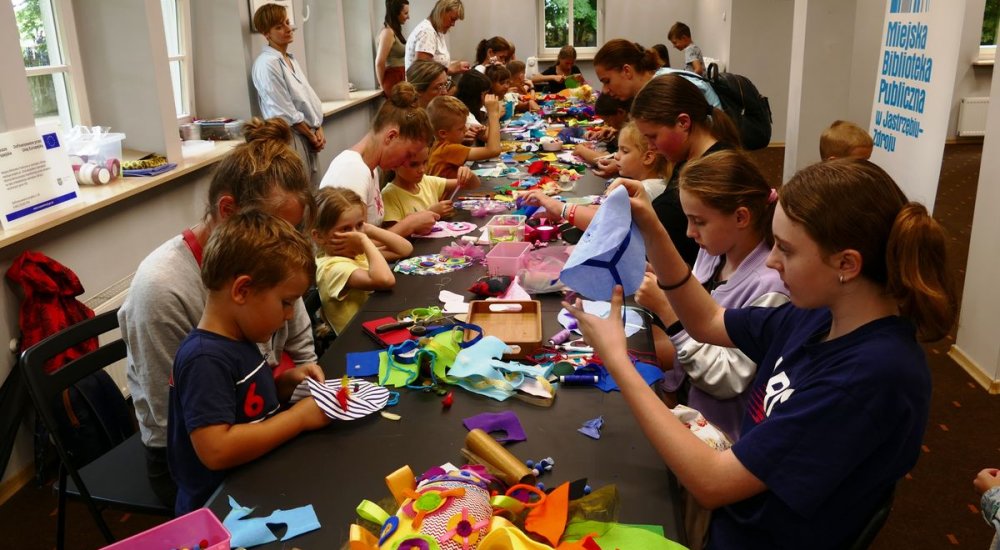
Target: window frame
(987, 52)
(70, 67)
(183, 8)
(587, 52)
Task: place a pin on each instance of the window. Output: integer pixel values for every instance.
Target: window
(573, 22)
(988, 39)
(46, 53)
(177, 25)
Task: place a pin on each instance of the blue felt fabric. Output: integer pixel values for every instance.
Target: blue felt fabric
(610, 252)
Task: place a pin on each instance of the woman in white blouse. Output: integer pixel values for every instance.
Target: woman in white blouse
(282, 88)
(427, 40)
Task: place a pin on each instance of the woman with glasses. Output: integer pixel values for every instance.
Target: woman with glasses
(282, 88)
(430, 79)
(427, 40)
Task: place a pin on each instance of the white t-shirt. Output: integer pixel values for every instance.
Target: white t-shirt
(349, 170)
(425, 39)
(654, 187)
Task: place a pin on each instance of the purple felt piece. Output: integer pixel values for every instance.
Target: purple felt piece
(592, 427)
(505, 422)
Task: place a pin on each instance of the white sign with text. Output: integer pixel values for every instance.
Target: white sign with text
(35, 174)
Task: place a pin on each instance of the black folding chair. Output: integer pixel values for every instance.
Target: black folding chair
(867, 535)
(118, 477)
(323, 334)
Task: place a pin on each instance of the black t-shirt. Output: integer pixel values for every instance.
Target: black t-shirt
(556, 87)
(668, 209)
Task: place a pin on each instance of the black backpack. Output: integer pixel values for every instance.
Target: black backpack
(749, 110)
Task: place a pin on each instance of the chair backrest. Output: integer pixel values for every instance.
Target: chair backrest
(46, 389)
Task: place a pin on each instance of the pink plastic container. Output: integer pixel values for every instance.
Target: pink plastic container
(183, 532)
(504, 258)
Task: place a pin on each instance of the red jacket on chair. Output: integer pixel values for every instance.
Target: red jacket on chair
(49, 304)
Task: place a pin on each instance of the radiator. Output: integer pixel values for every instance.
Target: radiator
(972, 116)
(106, 300)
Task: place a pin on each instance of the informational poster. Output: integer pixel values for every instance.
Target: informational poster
(35, 174)
(916, 78)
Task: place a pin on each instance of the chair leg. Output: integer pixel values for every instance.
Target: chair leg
(94, 510)
(61, 510)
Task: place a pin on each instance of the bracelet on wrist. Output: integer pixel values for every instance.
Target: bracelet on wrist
(677, 285)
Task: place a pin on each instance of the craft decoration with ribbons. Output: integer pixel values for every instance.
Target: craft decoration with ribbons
(478, 369)
(402, 365)
(433, 264)
(362, 397)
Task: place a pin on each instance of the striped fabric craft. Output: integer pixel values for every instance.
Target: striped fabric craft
(363, 399)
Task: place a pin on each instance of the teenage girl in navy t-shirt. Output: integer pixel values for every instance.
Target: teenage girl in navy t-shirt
(840, 401)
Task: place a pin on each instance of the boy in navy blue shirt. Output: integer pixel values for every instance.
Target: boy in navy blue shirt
(225, 405)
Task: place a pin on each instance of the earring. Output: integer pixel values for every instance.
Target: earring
(841, 278)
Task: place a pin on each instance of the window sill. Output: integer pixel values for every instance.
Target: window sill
(356, 98)
(96, 197)
(983, 63)
(551, 57)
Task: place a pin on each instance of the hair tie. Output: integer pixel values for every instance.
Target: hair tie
(773, 196)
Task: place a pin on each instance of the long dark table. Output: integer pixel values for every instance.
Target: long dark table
(336, 467)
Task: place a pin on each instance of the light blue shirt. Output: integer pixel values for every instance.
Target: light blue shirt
(701, 83)
(283, 90)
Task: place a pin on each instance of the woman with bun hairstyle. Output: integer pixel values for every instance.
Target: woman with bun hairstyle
(167, 297)
(389, 59)
(840, 401)
(400, 131)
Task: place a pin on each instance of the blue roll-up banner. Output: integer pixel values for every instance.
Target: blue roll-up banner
(916, 80)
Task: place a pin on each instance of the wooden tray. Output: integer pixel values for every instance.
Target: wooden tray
(519, 328)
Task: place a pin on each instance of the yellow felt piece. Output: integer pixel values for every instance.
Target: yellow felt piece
(548, 157)
(372, 512)
(507, 503)
(400, 482)
(361, 539)
(504, 535)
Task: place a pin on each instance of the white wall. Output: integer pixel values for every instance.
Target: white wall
(819, 78)
(977, 342)
(970, 81)
(710, 30)
(760, 49)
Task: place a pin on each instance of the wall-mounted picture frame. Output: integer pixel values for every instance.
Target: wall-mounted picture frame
(254, 4)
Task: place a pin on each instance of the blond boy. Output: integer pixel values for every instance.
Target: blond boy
(448, 116)
(845, 139)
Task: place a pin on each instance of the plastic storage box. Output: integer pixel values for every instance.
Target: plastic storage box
(505, 258)
(505, 228)
(96, 157)
(183, 532)
(216, 130)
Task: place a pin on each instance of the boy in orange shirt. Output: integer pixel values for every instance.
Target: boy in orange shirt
(448, 116)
